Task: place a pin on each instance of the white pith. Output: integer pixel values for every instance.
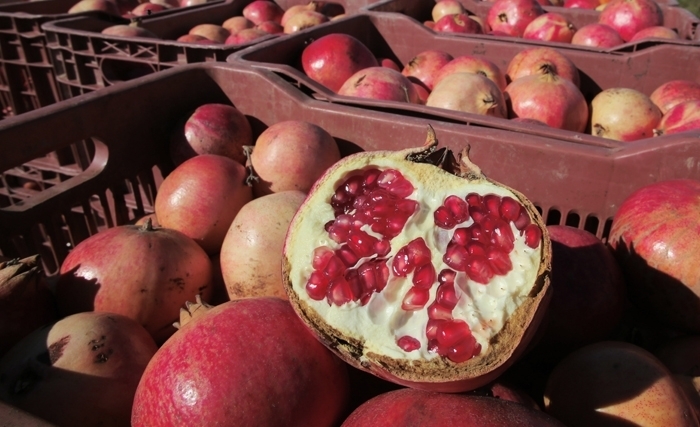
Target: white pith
(382, 321)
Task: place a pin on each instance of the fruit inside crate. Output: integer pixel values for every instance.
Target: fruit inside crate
(400, 38)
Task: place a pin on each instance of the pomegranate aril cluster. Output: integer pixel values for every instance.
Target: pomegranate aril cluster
(370, 199)
(481, 250)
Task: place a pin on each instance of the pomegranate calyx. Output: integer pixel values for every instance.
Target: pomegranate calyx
(16, 271)
(192, 311)
(148, 225)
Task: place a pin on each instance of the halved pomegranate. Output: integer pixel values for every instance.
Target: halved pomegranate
(414, 266)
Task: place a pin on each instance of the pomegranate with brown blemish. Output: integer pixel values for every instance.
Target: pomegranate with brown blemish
(431, 277)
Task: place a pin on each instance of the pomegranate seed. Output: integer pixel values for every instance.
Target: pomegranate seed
(474, 199)
(347, 256)
(401, 265)
(361, 243)
(477, 213)
(424, 276)
(317, 286)
(367, 277)
(340, 201)
(461, 236)
(476, 248)
(437, 311)
(479, 269)
(464, 350)
(408, 344)
(394, 226)
(492, 202)
(452, 332)
(327, 226)
(446, 296)
(458, 208)
(509, 209)
(434, 347)
(353, 185)
(456, 257)
(444, 218)
(334, 268)
(415, 299)
(407, 207)
(418, 252)
(533, 235)
(479, 235)
(381, 274)
(369, 178)
(523, 220)
(339, 292)
(393, 181)
(500, 261)
(447, 276)
(488, 223)
(380, 196)
(382, 247)
(432, 327)
(340, 228)
(353, 280)
(322, 255)
(379, 227)
(502, 236)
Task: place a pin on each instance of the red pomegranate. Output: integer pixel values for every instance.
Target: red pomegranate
(417, 408)
(263, 10)
(425, 65)
(458, 23)
(406, 301)
(511, 17)
(446, 7)
(380, 83)
(473, 64)
(550, 27)
(628, 17)
(683, 117)
(124, 30)
(303, 19)
(653, 234)
(80, 371)
(211, 129)
(673, 92)
(201, 197)
(597, 35)
(141, 272)
(657, 32)
(311, 6)
(145, 9)
(582, 4)
(331, 59)
(542, 60)
(249, 362)
(237, 23)
(245, 36)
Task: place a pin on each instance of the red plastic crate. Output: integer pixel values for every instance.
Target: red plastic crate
(26, 74)
(676, 18)
(401, 38)
(85, 60)
(574, 184)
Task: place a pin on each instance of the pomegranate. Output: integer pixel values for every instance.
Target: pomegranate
(130, 30)
(261, 367)
(201, 197)
(389, 63)
(582, 4)
(551, 99)
(332, 59)
(511, 17)
(623, 114)
(215, 33)
(425, 65)
(658, 32)
(419, 408)
(302, 20)
(616, 384)
(683, 117)
(446, 7)
(380, 83)
(597, 35)
(260, 11)
(473, 64)
(26, 303)
(503, 390)
(680, 356)
(628, 17)
(246, 35)
(291, 155)
(251, 254)
(80, 371)
(458, 23)
(653, 234)
(542, 60)
(470, 93)
(237, 23)
(312, 6)
(141, 272)
(270, 27)
(145, 9)
(550, 27)
(674, 92)
(391, 260)
(106, 6)
(212, 129)
(193, 38)
(588, 292)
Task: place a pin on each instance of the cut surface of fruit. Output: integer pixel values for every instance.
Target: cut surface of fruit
(395, 261)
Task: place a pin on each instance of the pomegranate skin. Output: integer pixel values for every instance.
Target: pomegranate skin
(511, 17)
(597, 35)
(380, 83)
(425, 65)
(630, 16)
(260, 367)
(418, 408)
(674, 92)
(145, 274)
(542, 60)
(654, 236)
(683, 117)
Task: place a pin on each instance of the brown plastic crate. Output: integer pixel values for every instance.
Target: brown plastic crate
(401, 38)
(85, 60)
(676, 18)
(574, 184)
(26, 74)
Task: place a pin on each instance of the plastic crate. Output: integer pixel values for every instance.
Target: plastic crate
(401, 38)
(26, 74)
(676, 18)
(85, 60)
(129, 126)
